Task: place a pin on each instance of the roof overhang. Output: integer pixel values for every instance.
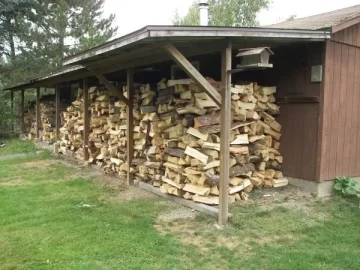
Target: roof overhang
(154, 34)
(68, 73)
(145, 47)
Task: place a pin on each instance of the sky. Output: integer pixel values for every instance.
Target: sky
(132, 15)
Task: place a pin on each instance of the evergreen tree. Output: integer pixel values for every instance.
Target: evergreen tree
(69, 26)
(13, 14)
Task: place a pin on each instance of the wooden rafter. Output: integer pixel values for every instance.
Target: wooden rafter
(180, 59)
(113, 90)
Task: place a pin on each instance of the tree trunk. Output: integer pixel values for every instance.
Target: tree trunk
(11, 41)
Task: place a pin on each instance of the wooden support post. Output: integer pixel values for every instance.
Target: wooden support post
(225, 136)
(22, 101)
(113, 90)
(86, 118)
(130, 123)
(180, 59)
(38, 112)
(12, 110)
(57, 112)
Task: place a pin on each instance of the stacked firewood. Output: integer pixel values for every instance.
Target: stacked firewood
(47, 119)
(71, 141)
(185, 141)
(108, 130)
(177, 138)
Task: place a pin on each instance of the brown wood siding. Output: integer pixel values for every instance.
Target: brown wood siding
(299, 140)
(349, 35)
(340, 131)
(300, 122)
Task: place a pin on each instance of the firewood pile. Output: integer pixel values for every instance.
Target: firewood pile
(177, 138)
(47, 119)
(108, 130)
(184, 156)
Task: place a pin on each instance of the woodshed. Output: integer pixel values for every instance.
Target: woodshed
(313, 80)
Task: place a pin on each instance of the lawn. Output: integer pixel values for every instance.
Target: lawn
(53, 218)
(13, 147)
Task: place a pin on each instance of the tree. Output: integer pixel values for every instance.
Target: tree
(290, 18)
(13, 14)
(68, 26)
(35, 35)
(233, 13)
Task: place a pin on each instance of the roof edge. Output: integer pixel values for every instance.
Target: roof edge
(345, 24)
(108, 46)
(153, 31)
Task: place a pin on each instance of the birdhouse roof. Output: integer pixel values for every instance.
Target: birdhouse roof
(253, 51)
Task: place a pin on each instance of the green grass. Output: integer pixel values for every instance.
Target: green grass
(17, 147)
(43, 226)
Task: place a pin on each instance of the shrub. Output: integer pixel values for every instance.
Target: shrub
(347, 187)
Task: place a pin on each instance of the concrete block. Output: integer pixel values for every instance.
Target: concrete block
(322, 189)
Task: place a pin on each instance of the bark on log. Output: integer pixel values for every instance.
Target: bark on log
(206, 120)
(212, 180)
(176, 152)
(241, 170)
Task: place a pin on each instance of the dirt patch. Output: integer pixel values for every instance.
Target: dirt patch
(204, 236)
(39, 163)
(180, 213)
(130, 194)
(273, 239)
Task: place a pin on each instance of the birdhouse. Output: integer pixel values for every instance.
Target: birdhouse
(254, 56)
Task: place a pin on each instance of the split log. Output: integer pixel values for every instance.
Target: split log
(196, 133)
(241, 187)
(241, 139)
(196, 154)
(177, 152)
(212, 200)
(206, 120)
(203, 191)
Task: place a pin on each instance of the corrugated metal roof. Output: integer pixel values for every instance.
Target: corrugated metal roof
(321, 21)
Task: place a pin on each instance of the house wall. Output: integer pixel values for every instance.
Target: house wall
(300, 122)
(350, 35)
(340, 132)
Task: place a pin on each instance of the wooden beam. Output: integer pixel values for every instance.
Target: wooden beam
(38, 112)
(57, 110)
(86, 118)
(225, 136)
(12, 110)
(130, 124)
(180, 59)
(113, 90)
(22, 101)
(206, 209)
